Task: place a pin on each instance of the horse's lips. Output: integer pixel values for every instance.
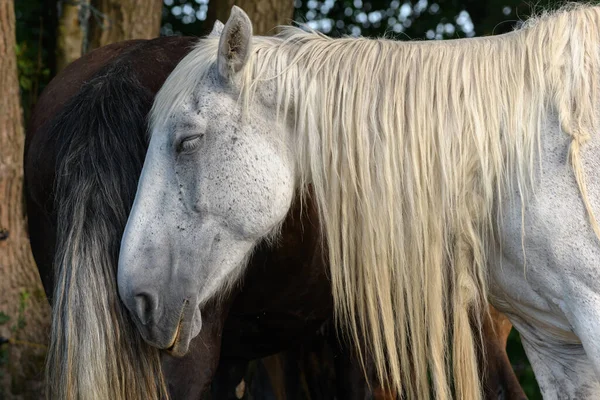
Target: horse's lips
(177, 348)
(176, 337)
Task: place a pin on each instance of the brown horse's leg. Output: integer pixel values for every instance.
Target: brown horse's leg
(275, 369)
(501, 325)
(500, 381)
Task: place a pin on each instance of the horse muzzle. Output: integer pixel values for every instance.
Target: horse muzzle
(166, 328)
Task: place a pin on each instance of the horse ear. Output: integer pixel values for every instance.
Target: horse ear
(235, 43)
(217, 29)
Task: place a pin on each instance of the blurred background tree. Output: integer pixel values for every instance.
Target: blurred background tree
(24, 310)
(47, 29)
(51, 33)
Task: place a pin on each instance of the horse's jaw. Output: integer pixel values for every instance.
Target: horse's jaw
(165, 280)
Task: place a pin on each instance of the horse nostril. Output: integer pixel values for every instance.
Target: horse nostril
(145, 304)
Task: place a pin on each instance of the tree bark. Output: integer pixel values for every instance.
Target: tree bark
(71, 35)
(24, 311)
(85, 25)
(118, 20)
(264, 14)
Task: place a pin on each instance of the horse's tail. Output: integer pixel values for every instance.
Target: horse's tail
(95, 351)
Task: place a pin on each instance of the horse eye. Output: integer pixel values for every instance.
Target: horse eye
(189, 144)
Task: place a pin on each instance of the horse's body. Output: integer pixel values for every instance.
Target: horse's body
(436, 169)
(550, 285)
(299, 299)
(86, 114)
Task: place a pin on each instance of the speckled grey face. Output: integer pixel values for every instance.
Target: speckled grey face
(212, 186)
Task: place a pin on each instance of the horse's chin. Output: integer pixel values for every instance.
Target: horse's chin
(186, 331)
(178, 342)
(179, 348)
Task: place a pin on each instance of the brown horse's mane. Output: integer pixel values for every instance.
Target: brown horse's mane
(94, 134)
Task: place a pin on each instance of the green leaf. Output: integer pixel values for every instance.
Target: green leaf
(3, 318)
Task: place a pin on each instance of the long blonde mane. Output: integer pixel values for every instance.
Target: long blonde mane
(409, 148)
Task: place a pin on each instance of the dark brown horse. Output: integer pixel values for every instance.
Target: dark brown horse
(85, 147)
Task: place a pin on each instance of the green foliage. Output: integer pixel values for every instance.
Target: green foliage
(421, 19)
(184, 17)
(400, 19)
(34, 52)
(23, 305)
(25, 66)
(29, 69)
(24, 366)
(521, 366)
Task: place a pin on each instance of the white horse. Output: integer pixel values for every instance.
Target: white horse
(440, 169)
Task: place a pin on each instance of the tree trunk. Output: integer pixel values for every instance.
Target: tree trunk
(85, 25)
(72, 29)
(264, 14)
(24, 311)
(118, 20)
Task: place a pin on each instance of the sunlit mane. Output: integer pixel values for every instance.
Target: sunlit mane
(409, 148)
